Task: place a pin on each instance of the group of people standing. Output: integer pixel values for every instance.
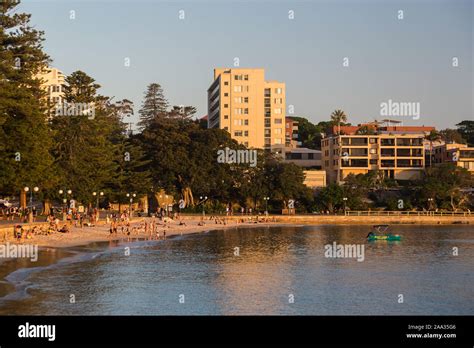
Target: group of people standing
(12, 213)
(149, 228)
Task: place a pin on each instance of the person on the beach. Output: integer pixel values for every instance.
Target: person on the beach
(18, 232)
(164, 234)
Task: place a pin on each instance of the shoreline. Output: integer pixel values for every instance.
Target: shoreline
(100, 233)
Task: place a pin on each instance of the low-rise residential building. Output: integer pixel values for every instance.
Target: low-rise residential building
(303, 157)
(315, 178)
(459, 154)
(395, 150)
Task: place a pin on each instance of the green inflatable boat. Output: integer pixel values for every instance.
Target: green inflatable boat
(380, 234)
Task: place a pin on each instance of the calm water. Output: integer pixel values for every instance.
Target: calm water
(273, 263)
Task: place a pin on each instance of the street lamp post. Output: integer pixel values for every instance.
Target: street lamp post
(68, 192)
(430, 203)
(131, 195)
(266, 199)
(201, 198)
(345, 202)
(35, 189)
(98, 195)
(97, 202)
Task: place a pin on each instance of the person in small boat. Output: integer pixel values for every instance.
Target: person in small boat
(371, 234)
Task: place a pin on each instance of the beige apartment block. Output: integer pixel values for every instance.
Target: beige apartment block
(52, 80)
(399, 156)
(250, 108)
(459, 154)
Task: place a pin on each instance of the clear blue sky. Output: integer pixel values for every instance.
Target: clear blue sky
(404, 60)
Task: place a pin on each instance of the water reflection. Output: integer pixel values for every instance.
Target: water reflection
(273, 267)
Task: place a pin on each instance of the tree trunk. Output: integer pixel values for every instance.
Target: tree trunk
(22, 199)
(46, 207)
(188, 196)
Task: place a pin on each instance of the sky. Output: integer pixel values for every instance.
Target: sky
(403, 60)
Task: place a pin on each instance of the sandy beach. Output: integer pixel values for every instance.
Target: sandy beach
(100, 232)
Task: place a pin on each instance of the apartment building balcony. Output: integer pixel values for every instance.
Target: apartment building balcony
(387, 152)
(387, 142)
(410, 142)
(355, 163)
(387, 163)
(354, 141)
(466, 154)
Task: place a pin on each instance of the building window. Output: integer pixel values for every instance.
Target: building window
(246, 99)
(226, 94)
(277, 140)
(238, 133)
(278, 90)
(277, 130)
(278, 121)
(278, 111)
(226, 117)
(226, 105)
(238, 77)
(311, 156)
(246, 122)
(387, 142)
(246, 133)
(246, 77)
(246, 111)
(226, 83)
(373, 151)
(226, 128)
(237, 88)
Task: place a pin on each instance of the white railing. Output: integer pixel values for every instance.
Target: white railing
(406, 213)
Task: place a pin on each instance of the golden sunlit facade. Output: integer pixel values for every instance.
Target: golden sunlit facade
(399, 156)
(251, 109)
(52, 81)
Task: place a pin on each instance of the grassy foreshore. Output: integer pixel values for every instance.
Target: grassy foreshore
(100, 232)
